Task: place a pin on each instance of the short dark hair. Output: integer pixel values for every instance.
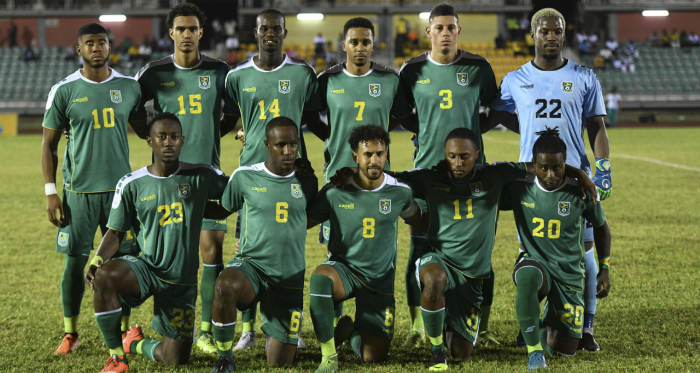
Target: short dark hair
(185, 10)
(92, 29)
(163, 116)
(443, 10)
(548, 143)
(277, 123)
(358, 22)
(463, 134)
(272, 11)
(366, 133)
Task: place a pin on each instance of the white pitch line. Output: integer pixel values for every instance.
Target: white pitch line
(626, 156)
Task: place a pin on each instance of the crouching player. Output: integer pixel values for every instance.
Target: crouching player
(549, 215)
(270, 266)
(166, 200)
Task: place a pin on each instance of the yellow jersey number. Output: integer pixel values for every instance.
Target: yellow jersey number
(368, 227)
(107, 118)
(296, 322)
(389, 319)
(195, 105)
(361, 105)
(179, 320)
(553, 228)
(281, 212)
(274, 109)
(446, 95)
(470, 213)
(166, 218)
(572, 314)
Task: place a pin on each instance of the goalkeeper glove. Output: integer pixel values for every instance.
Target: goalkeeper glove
(602, 178)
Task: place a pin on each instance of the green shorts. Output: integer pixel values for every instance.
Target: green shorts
(214, 225)
(173, 305)
(281, 308)
(84, 213)
(463, 297)
(563, 309)
(374, 311)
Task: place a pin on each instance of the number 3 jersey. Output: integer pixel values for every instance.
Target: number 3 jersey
(557, 98)
(194, 95)
(96, 116)
(364, 228)
(169, 212)
(273, 221)
(551, 225)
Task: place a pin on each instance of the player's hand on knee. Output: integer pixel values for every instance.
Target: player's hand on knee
(53, 203)
(603, 284)
(302, 166)
(90, 275)
(341, 176)
(603, 178)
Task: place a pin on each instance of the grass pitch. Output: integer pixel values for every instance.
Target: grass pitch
(648, 323)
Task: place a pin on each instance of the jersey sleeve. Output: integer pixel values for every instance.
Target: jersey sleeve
(593, 213)
(309, 186)
(414, 179)
(489, 89)
(504, 100)
(123, 211)
(408, 93)
(320, 208)
(323, 90)
(217, 183)
(593, 103)
(504, 202)
(231, 95)
(313, 98)
(410, 202)
(509, 171)
(233, 198)
(400, 107)
(139, 112)
(55, 114)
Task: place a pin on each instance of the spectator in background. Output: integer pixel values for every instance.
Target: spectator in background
(319, 46)
(606, 54)
(592, 38)
(617, 62)
(499, 42)
(330, 55)
(69, 54)
(675, 39)
(693, 39)
(655, 39)
(230, 28)
(12, 34)
(518, 48)
(145, 50)
(524, 25)
(685, 43)
(599, 62)
(612, 45)
(402, 29)
(133, 52)
(665, 39)
(627, 64)
(513, 27)
(413, 39)
(612, 101)
(232, 43)
(631, 48)
(30, 54)
(584, 47)
(530, 43)
(114, 59)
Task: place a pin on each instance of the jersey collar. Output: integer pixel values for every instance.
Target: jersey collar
(345, 70)
(352, 181)
(458, 57)
(566, 62)
(537, 181)
(179, 167)
(201, 59)
(111, 75)
(284, 62)
(262, 166)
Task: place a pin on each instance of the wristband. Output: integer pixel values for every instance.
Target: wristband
(50, 188)
(96, 259)
(605, 263)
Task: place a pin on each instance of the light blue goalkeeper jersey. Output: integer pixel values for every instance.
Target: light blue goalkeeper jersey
(558, 98)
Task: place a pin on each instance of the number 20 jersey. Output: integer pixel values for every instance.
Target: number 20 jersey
(557, 98)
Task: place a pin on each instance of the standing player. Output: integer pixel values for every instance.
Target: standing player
(166, 200)
(549, 214)
(446, 86)
(364, 228)
(93, 104)
(272, 200)
(191, 85)
(266, 86)
(555, 92)
(355, 93)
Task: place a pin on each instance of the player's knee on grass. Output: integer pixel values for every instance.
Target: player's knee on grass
(459, 347)
(211, 245)
(374, 349)
(173, 352)
(434, 280)
(279, 354)
(561, 343)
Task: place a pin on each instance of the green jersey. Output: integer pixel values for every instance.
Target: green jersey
(463, 214)
(168, 212)
(353, 101)
(95, 115)
(258, 96)
(193, 94)
(551, 225)
(273, 221)
(446, 96)
(364, 228)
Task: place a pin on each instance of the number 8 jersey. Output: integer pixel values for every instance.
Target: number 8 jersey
(557, 98)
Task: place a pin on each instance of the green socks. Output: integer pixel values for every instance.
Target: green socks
(434, 323)
(356, 343)
(485, 315)
(223, 335)
(206, 290)
(145, 347)
(527, 306)
(109, 323)
(337, 312)
(419, 246)
(488, 285)
(321, 307)
(416, 318)
(72, 289)
(248, 318)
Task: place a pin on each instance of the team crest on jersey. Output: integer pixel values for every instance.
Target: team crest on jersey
(204, 82)
(385, 206)
(296, 191)
(477, 189)
(425, 260)
(462, 78)
(326, 233)
(564, 208)
(375, 90)
(116, 96)
(567, 87)
(285, 86)
(62, 239)
(184, 190)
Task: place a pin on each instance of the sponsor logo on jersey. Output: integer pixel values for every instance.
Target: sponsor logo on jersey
(528, 86)
(462, 78)
(347, 207)
(82, 99)
(375, 90)
(425, 260)
(129, 258)
(285, 86)
(528, 204)
(251, 89)
(423, 81)
(149, 198)
(327, 233)
(384, 206)
(204, 82)
(443, 189)
(567, 87)
(184, 190)
(62, 239)
(116, 96)
(477, 189)
(338, 91)
(259, 189)
(168, 84)
(296, 191)
(564, 208)
(234, 265)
